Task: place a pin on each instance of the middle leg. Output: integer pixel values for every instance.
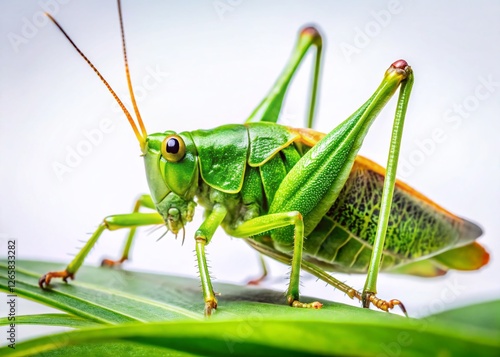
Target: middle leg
(269, 222)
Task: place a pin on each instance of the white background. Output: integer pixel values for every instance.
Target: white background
(220, 64)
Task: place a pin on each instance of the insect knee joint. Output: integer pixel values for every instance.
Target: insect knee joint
(296, 216)
(201, 239)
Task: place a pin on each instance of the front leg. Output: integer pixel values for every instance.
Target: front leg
(203, 236)
(119, 221)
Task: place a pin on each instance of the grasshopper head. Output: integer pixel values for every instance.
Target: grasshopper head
(172, 172)
(171, 161)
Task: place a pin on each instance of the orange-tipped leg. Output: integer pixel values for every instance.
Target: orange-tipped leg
(311, 305)
(45, 279)
(112, 263)
(256, 281)
(385, 305)
(210, 305)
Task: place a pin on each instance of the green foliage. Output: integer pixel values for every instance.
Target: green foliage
(117, 312)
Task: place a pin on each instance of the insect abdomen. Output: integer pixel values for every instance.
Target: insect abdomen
(417, 228)
(337, 248)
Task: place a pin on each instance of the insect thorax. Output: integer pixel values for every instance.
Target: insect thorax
(238, 211)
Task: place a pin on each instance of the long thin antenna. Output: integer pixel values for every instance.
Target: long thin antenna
(140, 137)
(127, 73)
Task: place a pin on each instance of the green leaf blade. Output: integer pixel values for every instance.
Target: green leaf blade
(249, 321)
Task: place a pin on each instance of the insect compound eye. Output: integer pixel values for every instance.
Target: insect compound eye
(173, 148)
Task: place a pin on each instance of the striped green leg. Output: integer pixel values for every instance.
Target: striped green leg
(143, 201)
(270, 222)
(269, 108)
(119, 221)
